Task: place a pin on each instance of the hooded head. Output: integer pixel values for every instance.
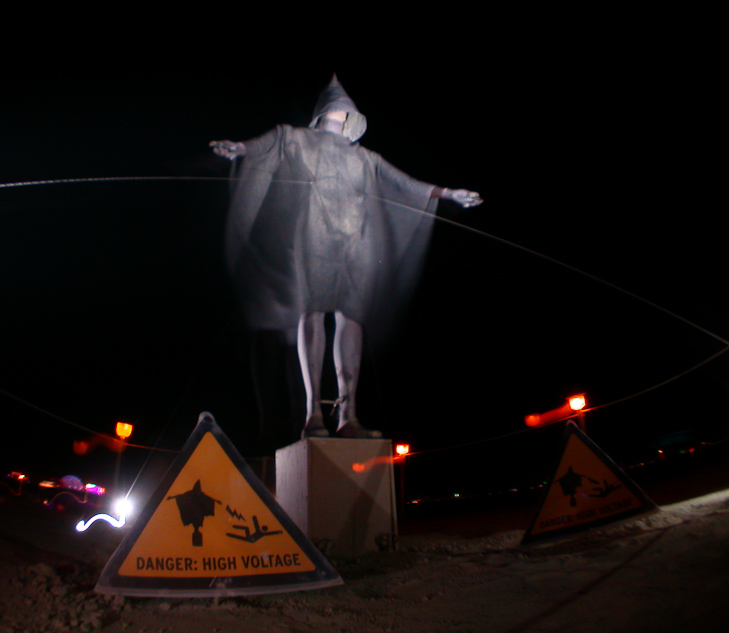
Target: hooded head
(333, 99)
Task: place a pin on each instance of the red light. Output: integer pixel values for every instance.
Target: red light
(402, 449)
(567, 410)
(533, 420)
(555, 415)
(577, 403)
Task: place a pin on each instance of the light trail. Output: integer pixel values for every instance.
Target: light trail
(82, 526)
(124, 506)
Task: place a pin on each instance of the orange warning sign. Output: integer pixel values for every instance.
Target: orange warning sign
(211, 528)
(586, 490)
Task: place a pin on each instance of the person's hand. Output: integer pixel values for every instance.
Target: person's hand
(464, 197)
(228, 149)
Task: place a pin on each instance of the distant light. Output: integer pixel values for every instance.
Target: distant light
(124, 430)
(48, 484)
(72, 482)
(95, 489)
(578, 402)
(533, 419)
(402, 449)
(358, 467)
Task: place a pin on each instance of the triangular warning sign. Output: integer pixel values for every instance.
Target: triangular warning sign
(212, 529)
(587, 490)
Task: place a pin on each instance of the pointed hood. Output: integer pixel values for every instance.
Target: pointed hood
(334, 98)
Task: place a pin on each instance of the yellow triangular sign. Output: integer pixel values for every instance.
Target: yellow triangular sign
(212, 529)
(587, 490)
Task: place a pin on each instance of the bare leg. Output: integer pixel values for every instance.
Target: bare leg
(311, 345)
(347, 360)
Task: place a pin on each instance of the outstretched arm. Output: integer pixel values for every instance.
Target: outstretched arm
(461, 196)
(228, 149)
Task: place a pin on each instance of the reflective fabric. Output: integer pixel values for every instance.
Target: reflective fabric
(317, 223)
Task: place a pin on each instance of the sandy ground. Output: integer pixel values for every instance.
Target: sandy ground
(666, 572)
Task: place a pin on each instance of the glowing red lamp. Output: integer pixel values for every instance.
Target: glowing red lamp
(402, 449)
(577, 403)
(568, 409)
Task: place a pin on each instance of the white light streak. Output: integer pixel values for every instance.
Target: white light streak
(82, 526)
(123, 506)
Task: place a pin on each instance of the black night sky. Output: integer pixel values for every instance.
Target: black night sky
(591, 146)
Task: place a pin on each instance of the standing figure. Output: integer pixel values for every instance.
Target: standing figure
(318, 224)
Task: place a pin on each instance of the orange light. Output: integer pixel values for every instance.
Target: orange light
(577, 403)
(402, 449)
(123, 430)
(358, 467)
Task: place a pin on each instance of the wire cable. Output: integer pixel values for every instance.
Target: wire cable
(462, 226)
(79, 426)
(66, 181)
(563, 265)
